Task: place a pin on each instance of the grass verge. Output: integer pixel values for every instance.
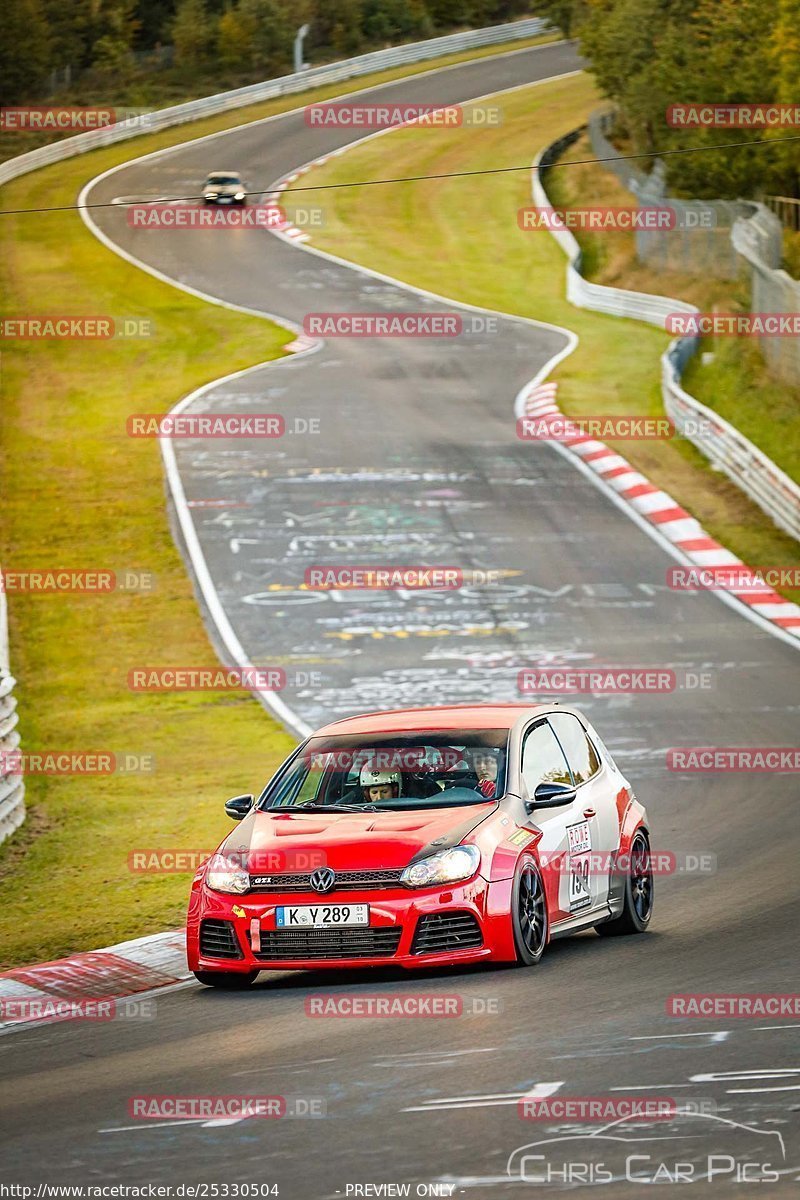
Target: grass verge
(736, 382)
(467, 245)
(78, 493)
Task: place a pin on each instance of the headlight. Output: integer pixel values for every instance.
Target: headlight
(239, 196)
(446, 866)
(210, 195)
(223, 875)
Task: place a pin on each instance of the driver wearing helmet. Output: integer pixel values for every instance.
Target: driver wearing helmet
(377, 784)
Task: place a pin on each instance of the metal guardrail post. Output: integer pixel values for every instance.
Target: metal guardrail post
(12, 788)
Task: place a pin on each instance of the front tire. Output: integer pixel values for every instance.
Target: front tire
(637, 907)
(231, 980)
(529, 915)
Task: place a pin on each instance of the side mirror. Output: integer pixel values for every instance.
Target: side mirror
(239, 807)
(551, 795)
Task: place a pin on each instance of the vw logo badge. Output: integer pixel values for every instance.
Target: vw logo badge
(323, 879)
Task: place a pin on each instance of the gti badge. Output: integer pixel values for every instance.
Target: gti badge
(323, 879)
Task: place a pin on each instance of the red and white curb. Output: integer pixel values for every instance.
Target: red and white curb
(285, 229)
(661, 511)
(88, 985)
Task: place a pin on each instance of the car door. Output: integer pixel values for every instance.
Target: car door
(566, 882)
(598, 833)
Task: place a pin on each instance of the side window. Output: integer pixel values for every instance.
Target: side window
(579, 750)
(542, 759)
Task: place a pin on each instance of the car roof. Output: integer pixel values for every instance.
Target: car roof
(457, 716)
(211, 174)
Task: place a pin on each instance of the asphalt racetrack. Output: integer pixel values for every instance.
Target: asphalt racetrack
(418, 460)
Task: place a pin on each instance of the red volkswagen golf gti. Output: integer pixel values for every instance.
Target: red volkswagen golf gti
(425, 837)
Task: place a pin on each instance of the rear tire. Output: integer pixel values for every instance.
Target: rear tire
(231, 980)
(637, 907)
(529, 915)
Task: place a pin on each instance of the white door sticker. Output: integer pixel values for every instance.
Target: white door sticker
(580, 845)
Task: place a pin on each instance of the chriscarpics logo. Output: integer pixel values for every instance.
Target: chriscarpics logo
(691, 1147)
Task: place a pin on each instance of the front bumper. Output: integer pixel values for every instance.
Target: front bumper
(394, 915)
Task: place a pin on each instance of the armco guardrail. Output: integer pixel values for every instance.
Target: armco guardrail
(595, 296)
(349, 68)
(727, 449)
(12, 789)
(747, 466)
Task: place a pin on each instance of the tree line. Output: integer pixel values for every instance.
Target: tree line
(113, 48)
(650, 54)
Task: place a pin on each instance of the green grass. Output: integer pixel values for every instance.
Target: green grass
(738, 386)
(78, 493)
(736, 383)
(791, 252)
(466, 245)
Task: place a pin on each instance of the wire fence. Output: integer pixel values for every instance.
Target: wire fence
(721, 239)
(786, 209)
(772, 290)
(747, 466)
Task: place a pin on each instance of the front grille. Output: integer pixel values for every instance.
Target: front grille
(218, 940)
(329, 943)
(439, 932)
(353, 881)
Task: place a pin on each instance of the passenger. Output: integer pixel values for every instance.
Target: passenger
(485, 764)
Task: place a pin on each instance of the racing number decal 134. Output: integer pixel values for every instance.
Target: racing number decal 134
(580, 845)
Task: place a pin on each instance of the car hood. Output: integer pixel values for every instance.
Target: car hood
(298, 841)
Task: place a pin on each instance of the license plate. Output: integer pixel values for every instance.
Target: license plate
(321, 916)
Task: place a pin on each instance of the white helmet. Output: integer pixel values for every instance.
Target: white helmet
(374, 776)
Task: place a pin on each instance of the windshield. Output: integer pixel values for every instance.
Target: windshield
(430, 769)
(223, 179)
